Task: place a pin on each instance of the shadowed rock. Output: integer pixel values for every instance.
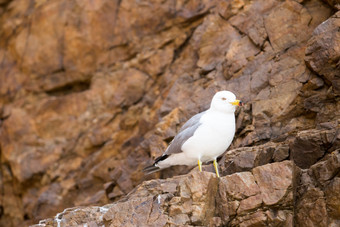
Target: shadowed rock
(323, 51)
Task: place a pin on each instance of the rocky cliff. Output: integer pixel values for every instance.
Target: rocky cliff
(92, 90)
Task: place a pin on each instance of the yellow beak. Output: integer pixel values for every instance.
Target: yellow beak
(237, 103)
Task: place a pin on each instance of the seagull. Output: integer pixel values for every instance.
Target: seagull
(204, 137)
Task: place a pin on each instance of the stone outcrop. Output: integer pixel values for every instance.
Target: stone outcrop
(200, 199)
(317, 193)
(322, 53)
(91, 91)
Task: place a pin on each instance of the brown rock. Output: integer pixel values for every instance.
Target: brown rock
(310, 145)
(253, 219)
(332, 195)
(326, 170)
(125, 96)
(275, 181)
(249, 204)
(212, 44)
(243, 193)
(35, 47)
(246, 158)
(29, 158)
(324, 106)
(239, 186)
(281, 153)
(229, 8)
(281, 30)
(93, 216)
(323, 51)
(12, 208)
(317, 204)
(193, 198)
(4, 1)
(141, 206)
(334, 3)
(311, 209)
(154, 203)
(281, 217)
(239, 51)
(251, 21)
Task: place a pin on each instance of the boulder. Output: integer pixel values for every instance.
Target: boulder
(198, 199)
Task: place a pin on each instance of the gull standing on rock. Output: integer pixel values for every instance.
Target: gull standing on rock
(204, 137)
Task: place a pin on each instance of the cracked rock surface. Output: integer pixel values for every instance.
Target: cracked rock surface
(201, 199)
(91, 91)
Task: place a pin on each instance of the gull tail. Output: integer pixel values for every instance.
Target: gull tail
(154, 168)
(151, 169)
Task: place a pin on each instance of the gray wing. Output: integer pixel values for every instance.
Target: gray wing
(186, 131)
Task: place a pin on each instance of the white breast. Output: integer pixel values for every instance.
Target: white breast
(212, 138)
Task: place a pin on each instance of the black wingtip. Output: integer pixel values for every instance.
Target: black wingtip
(161, 158)
(151, 169)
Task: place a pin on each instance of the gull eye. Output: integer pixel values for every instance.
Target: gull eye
(224, 99)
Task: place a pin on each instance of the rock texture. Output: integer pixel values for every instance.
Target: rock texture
(92, 90)
(200, 199)
(325, 43)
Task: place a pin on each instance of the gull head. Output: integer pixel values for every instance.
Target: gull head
(225, 101)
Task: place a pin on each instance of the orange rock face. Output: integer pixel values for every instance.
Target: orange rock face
(92, 90)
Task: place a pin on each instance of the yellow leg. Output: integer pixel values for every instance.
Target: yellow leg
(200, 165)
(216, 168)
